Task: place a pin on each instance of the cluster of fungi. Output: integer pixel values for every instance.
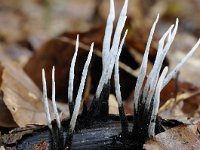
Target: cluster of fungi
(94, 127)
(144, 123)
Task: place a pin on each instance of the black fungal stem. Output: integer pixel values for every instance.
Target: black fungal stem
(57, 138)
(71, 108)
(99, 106)
(123, 119)
(104, 108)
(69, 139)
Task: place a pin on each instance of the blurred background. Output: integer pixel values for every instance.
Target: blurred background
(29, 23)
(24, 19)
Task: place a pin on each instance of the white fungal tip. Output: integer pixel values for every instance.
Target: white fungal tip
(178, 66)
(112, 9)
(92, 45)
(45, 100)
(77, 41)
(116, 74)
(157, 18)
(158, 15)
(53, 73)
(165, 70)
(108, 34)
(80, 91)
(53, 99)
(125, 4)
(143, 67)
(110, 54)
(43, 72)
(124, 8)
(71, 71)
(177, 20)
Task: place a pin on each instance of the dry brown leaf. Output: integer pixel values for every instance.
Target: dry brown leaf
(59, 54)
(6, 119)
(21, 96)
(2, 148)
(185, 137)
(113, 105)
(186, 103)
(21, 99)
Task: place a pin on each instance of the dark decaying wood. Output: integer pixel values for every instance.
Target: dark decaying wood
(95, 129)
(102, 134)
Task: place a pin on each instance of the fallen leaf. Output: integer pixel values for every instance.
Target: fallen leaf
(113, 105)
(59, 54)
(21, 96)
(185, 137)
(21, 99)
(18, 133)
(6, 119)
(2, 148)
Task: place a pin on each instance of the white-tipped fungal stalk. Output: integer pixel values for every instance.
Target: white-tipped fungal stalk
(116, 40)
(80, 91)
(110, 55)
(116, 74)
(123, 119)
(71, 72)
(153, 77)
(45, 100)
(143, 67)
(156, 103)
(158, 62)
(153, 86)
(117, 84)
(55, 110)
(108, 34)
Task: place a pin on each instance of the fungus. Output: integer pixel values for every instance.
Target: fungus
(80, 91)
(146, 96)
